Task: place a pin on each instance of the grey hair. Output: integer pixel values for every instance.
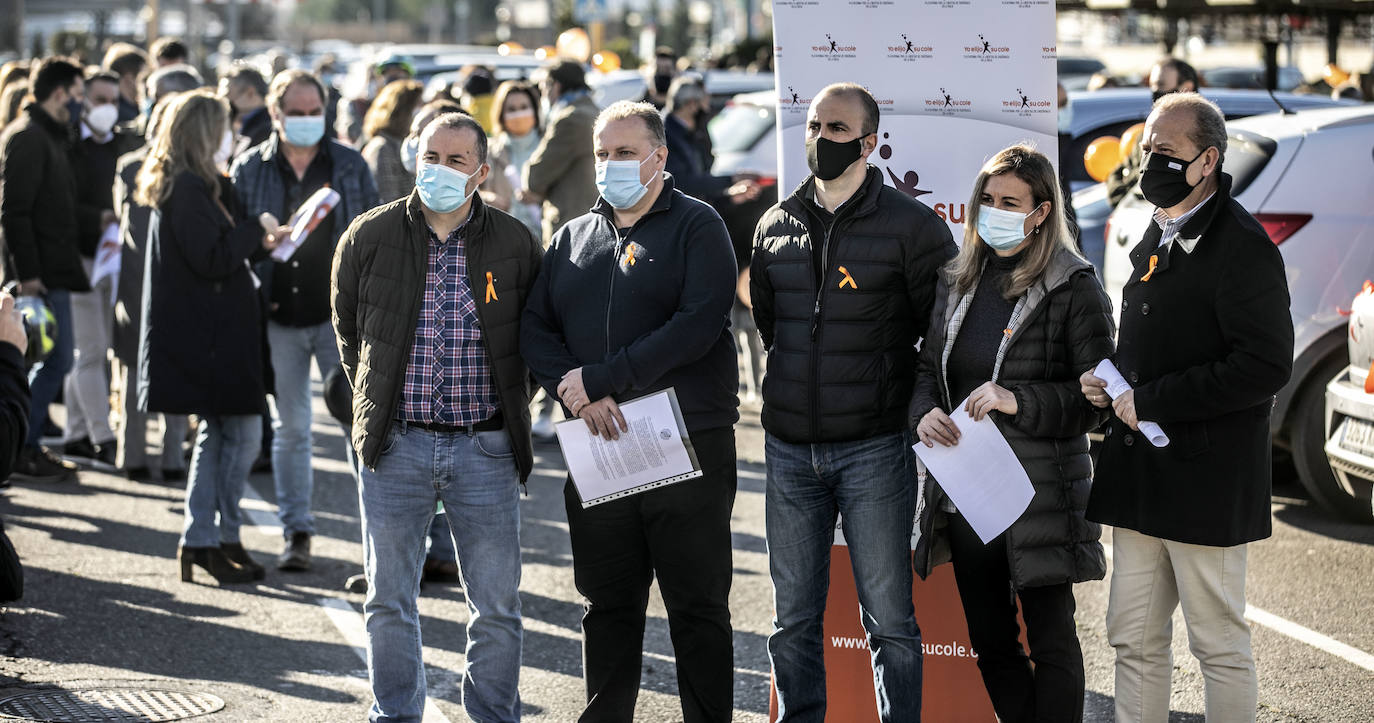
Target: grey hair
(459, 121)
(174, 79)
(625, 109)
(685, 89)
(1209, 124)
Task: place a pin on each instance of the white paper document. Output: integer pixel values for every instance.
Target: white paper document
(107, 259)
(305, 219)
(1116, 386)
(655, 452)
(981, 475)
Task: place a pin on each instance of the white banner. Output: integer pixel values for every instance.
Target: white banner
(956, 81)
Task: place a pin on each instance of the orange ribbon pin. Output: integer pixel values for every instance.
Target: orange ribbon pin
(630, 255)
(491, 289)
(847, 279)
(1154, 261)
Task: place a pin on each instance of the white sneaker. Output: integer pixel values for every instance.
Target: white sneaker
(543, 429)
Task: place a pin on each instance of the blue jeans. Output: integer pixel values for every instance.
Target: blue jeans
(225, 449)
(476, 478)
(292, 349)
(870, 483)
(45, 379)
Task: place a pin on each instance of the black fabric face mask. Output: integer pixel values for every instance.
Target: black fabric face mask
(662, 82)
(1164, 179)
(829, 160)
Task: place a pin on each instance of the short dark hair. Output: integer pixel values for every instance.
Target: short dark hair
(170, 49)
(459, 121)
(103, 76)
(283, 81)
(865, 99)
(52, 74)
(242, 75)
(125, 59)
(172, 79)
(1184, 72)
(567, 73)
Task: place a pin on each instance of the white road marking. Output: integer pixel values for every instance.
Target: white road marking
(1283, 626)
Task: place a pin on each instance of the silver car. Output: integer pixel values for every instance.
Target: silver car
(1350, 419)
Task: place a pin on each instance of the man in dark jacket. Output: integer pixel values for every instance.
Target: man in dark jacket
(427, 300)
(246, 90)
(38, 215)
(689, 148)
(653, 274)
(276, 177)
(842, 281)
(1206, 341)
(87, 393)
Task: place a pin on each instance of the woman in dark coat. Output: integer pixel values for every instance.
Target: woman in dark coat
(200, 346)
(1018, 316)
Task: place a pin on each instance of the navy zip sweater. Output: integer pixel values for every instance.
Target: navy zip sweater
(640, 310)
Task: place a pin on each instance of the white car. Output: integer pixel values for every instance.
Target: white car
(1308, 177)
(1350, 419)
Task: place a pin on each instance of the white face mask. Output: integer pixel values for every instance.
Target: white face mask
(225, 153)
(101, 119)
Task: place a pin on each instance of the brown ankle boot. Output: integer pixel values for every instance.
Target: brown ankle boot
(214, 561)
(234, 551)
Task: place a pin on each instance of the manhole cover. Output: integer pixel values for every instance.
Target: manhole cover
(108, 704)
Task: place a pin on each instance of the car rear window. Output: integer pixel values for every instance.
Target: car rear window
(1246, 156)
(738, 127)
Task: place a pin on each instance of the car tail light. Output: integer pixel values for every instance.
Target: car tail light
(1280, 226)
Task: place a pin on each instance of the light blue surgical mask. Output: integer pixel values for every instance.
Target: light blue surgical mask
(410, 152)
(618, 181)
(303, 130)
(1002, 230)
(442, 189)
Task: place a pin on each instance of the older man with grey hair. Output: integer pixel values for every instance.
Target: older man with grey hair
(1206, 342)
(660, 323)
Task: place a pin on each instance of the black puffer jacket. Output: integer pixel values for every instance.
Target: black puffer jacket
(38, 205)
(1066, 329)
(378, 291)
(841, 362)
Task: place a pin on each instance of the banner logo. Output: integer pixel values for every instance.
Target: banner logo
(1024, 106)
(986, 50)
(909, 182)
(792, 102)
(833, 49)
(946, 104)
(909, 50)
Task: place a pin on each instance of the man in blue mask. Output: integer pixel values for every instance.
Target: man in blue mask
(275, 178)
(427, 298)
(653, 274)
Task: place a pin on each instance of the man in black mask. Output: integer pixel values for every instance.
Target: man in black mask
(1206, 342)
(842, 281)
(1169, 75)
(659, 76)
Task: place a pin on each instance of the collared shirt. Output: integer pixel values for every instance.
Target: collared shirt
(300, 286)
(448, 380)
(1169, 227)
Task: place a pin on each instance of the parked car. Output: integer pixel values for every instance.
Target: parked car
(1110, 112)
(1250, 77)
(1350, 420)
(1075, 72)
(1308, 178)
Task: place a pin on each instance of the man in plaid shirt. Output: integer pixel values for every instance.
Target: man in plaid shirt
(427, 297)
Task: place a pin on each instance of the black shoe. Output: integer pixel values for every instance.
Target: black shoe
(356, 583)
(296, 556)
(137, 474)
(444, 572)
(80, 448)
(214, 561)
(37, 464)
(236, 553)
(173, 475)
(106, 452)
(263, 464)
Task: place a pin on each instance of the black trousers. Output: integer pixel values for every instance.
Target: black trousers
(681, 534)
(1053, 689)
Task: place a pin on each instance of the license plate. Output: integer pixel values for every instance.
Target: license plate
(1357, 436)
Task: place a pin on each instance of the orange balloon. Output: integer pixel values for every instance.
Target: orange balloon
(545, 53)
(606, 61)
(574, 43)
(1130, 140)
(1102, 157)
(510, 47)
(1334, 75)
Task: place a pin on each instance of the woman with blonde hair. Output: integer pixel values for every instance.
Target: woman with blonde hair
(1018, 316)
(200, 349)
(385, 128)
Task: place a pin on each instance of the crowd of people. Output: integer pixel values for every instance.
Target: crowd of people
(515, 233)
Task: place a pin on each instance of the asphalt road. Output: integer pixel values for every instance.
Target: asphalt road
(104, 607)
